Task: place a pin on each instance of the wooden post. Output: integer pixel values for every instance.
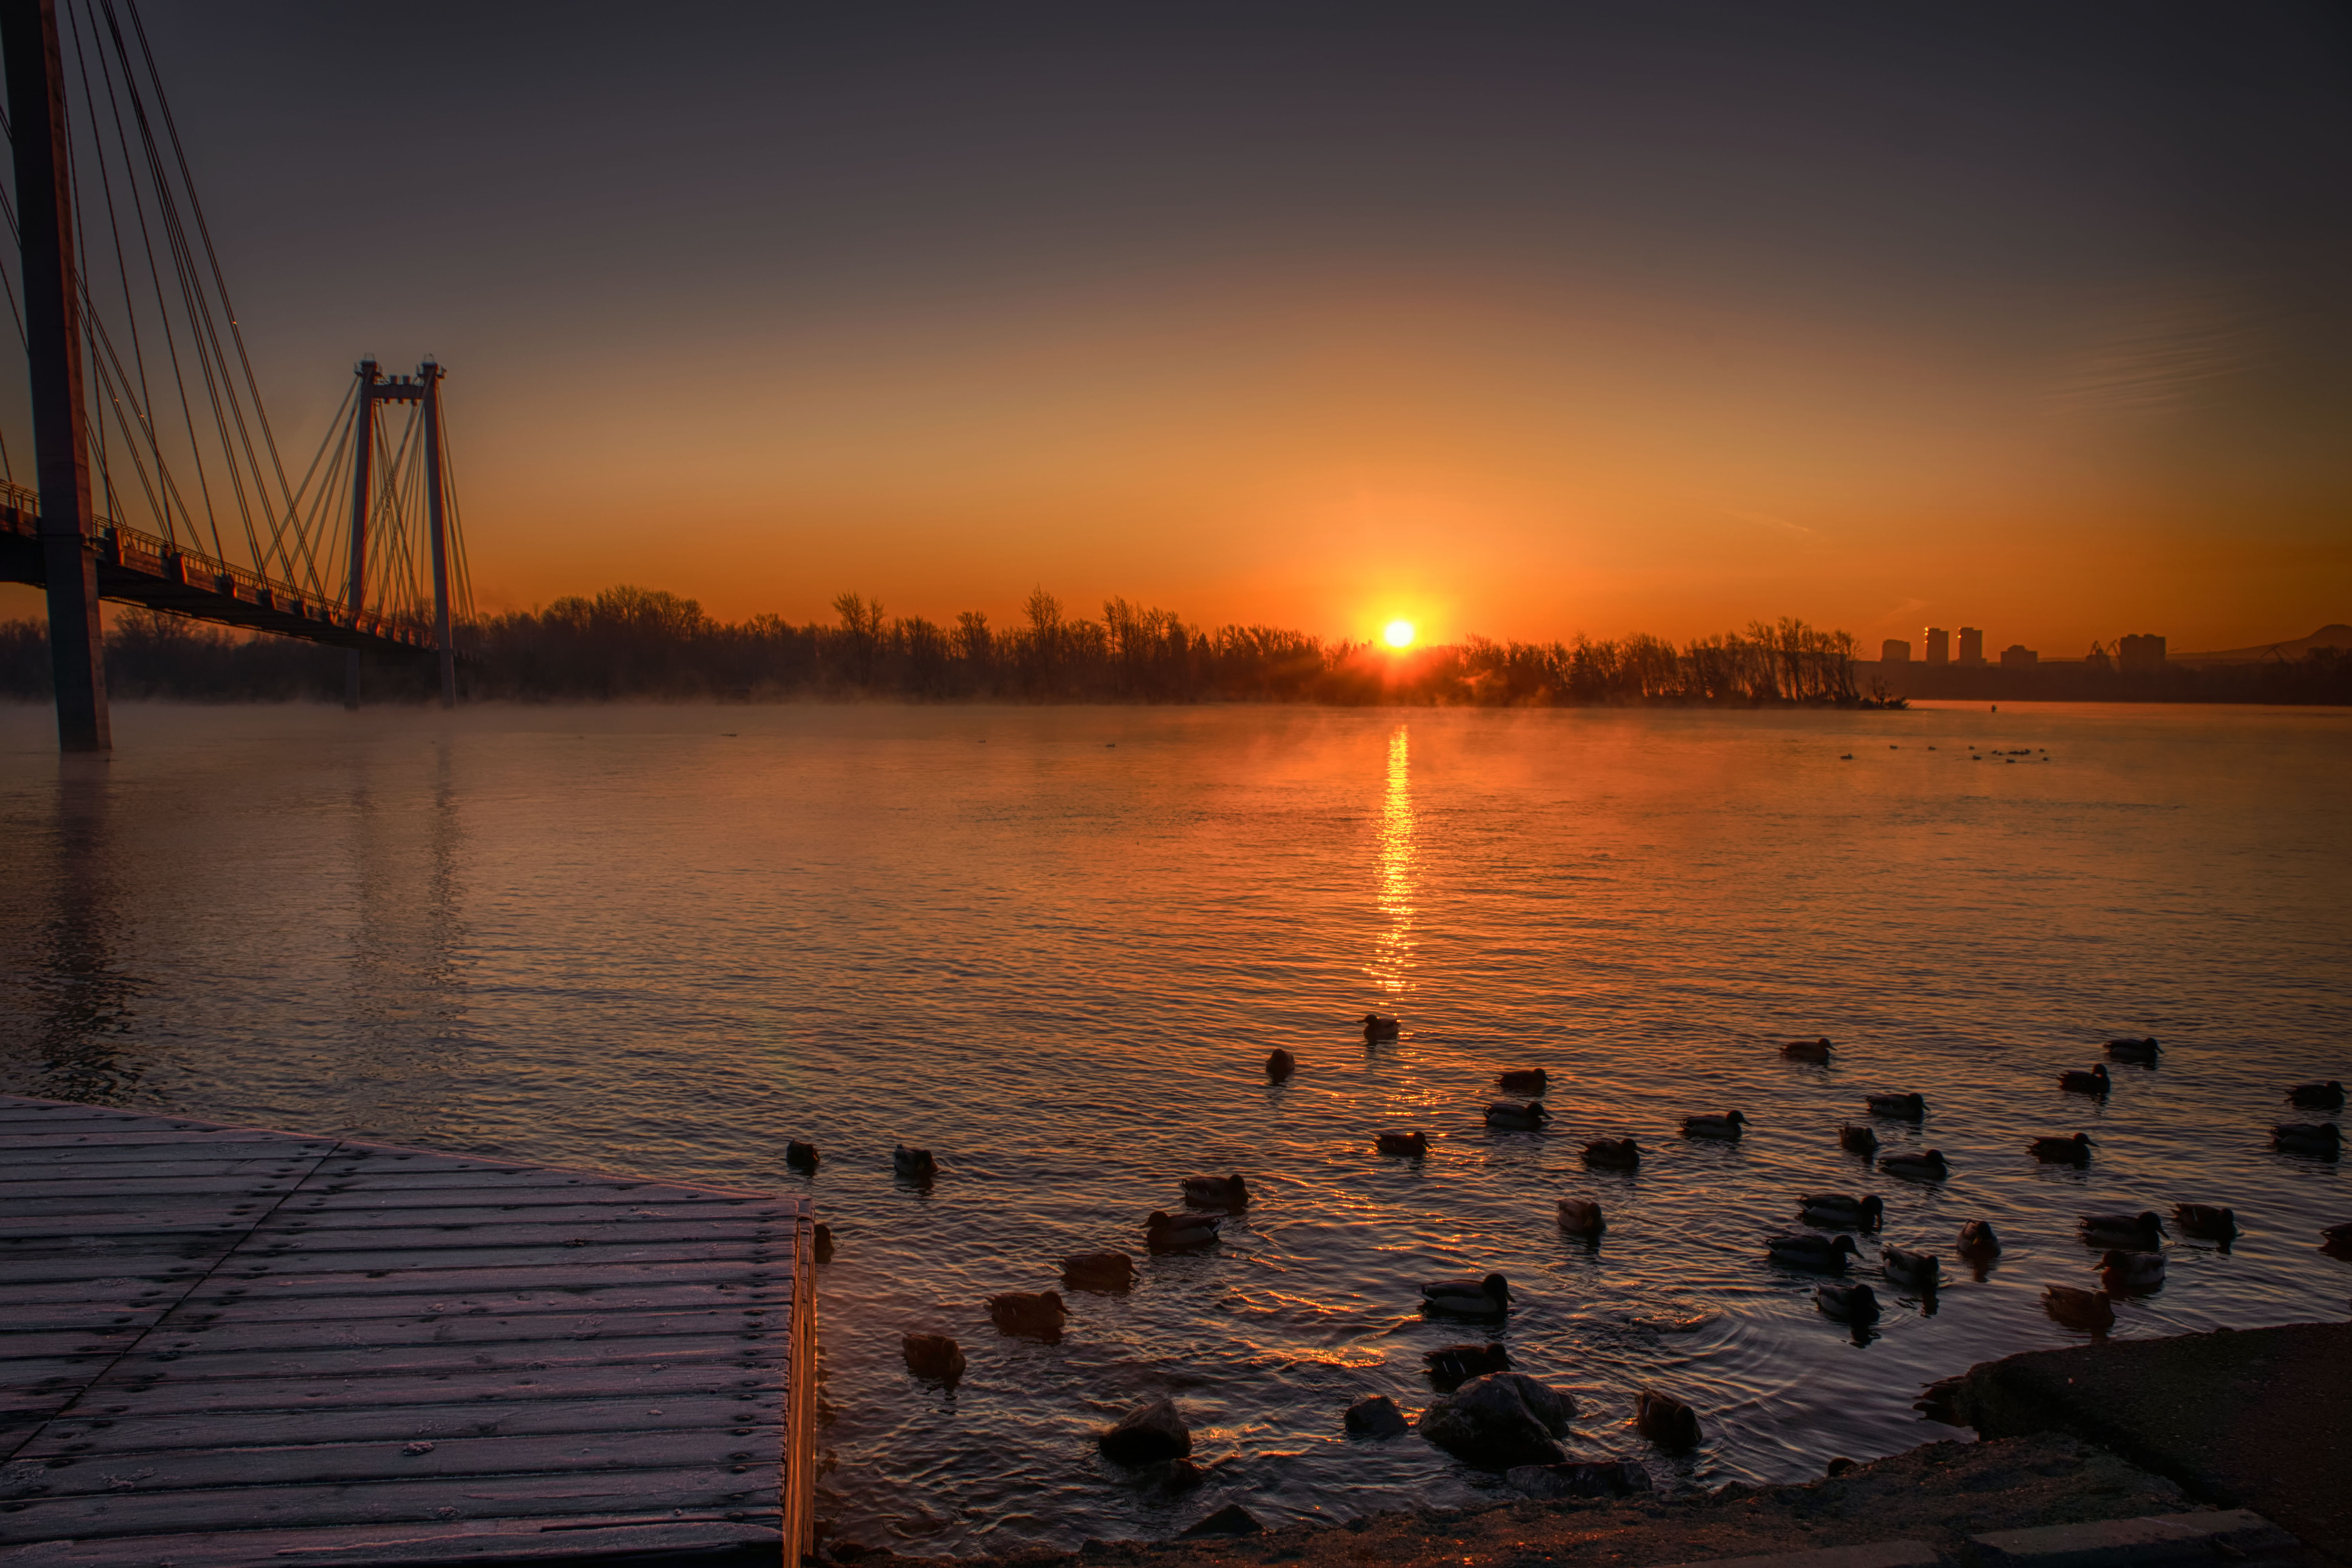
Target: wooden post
(363, 469)
(37, 118)
(430, 374)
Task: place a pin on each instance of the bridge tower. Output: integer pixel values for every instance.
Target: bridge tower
(375, 389)
(37, 120)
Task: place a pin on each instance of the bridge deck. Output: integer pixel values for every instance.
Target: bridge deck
(224, 1346)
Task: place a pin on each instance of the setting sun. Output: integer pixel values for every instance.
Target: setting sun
(1399, 634)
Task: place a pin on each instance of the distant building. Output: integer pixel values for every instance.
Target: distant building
(1939, 646)
(2140, 654)
(2099, 659)
(1972, 646)
(2017, 655)
(1894, 650)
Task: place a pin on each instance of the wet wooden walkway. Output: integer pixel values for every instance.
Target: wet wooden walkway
(225, 1346)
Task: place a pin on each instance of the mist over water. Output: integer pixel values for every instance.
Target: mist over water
(1054, 946)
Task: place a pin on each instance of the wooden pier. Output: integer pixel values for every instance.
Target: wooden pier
(225, 1346)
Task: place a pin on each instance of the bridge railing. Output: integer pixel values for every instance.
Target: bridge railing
(119, 544)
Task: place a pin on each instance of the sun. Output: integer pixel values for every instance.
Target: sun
(1398, 634)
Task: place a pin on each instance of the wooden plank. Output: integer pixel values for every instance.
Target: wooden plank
(549, 1207)
(148, 1159)
(383, 1263)
(97, 1434)
(568, 1277)
(181, 1358)
(339, 1307)
(611, 1382)
(576, 1539)
(191, 1333)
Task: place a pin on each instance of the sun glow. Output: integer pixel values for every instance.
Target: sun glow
(1398, 634)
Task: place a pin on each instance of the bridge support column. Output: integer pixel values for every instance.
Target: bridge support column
(37, 120)
(430, 374)
(363, 472)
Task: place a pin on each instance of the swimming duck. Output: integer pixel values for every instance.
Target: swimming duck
(1280, 1066)
(2140, 1232)
(1530, 1117)
(1847, 1303)
(1379, 1026)
(1613, 1154)
(1929, 1166)
(1911, 1270)
(1414, 1143)
(1099, 1272)
(2329, 1096)
(1979, 1241)
(1164, 1232)
(1725, 1126)
(2074, 1151)
(1581, 1216)
(2337, 1238)
(2143, 1050)
(1523, 1080)
(915, 1164)
(2205, 1222)
(1035, 1315)
(1822, 1254)
(2087, 1309)
(1857, 1140)
(2123, 1273)
(1902, 1107)
(2091, 1082)
(1487, 1297)
(1807, 1051)
(1840, 1211)
(800, 1156)
(1450, 1366)
(1217, 1192)
(932, 1356)
(2318, 1138)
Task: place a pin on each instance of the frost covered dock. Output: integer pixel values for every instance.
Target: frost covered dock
(226, 1346)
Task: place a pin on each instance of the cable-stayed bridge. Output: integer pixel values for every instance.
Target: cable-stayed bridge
(157, 479)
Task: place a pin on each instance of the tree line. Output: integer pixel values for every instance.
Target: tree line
(644, 644)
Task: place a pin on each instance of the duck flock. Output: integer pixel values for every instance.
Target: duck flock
(2128, 1247)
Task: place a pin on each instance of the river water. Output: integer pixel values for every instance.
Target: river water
(1056, 946)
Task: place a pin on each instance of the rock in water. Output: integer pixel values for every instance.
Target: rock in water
(821, 1243)
(1600, 1478)
(1145, 1433)
(1488, 1423)
(934, 1357)
(800, 1156)
(1666, 1421)
(1450, 1366)
(1099, 1272)
(1231, 1520)
(1377, 1416)
(1036, 1315)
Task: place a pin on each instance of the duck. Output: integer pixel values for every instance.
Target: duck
(2140, 1232)
(1217, 1192)
(2337, 1238)
(1911, 1270)
(1415, 1144)
(1902, 1107)
(1978, 1240)
(1666, 1420)
(1857, 1140)
(1847, 1303)
(1530, 1117)
(1581, 1216)
(1110, 1271)
(1163, 1232)
(1807, 1051)
(1725, 1126)
(1489, 1297)
(1523, 1080)
(2316, 1138)
(2206, 1222)
(1280, 1065)
(2074, 1151)
(1379, 1026)
(915, 1164)
(1927, 1167)
(1031, 1314)
(1841, 1211)
(2094, 1081)
(2329, 1096)
(2124, 1273)
(1613, 1154)
(800, 1156)
(934, 1357)
(2141, 1050)
(1822, 1254)
(1450, 1366)
(2086, 1310)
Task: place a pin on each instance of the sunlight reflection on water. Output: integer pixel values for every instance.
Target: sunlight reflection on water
(630, 939)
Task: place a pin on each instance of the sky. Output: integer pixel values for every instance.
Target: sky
(1519, 321)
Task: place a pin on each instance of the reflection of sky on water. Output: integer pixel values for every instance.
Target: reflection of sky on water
(1392, 947)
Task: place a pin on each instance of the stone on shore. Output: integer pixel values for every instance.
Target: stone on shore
(1585, 1477)
(1148, 1432)
(1500, 1420)
(1377, 1416)
(1231, 1520)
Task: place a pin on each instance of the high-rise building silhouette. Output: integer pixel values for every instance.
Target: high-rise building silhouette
(2017, 655)
(1894, 650)
(1971, 646)
(2142, 652)
(1939, 646)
